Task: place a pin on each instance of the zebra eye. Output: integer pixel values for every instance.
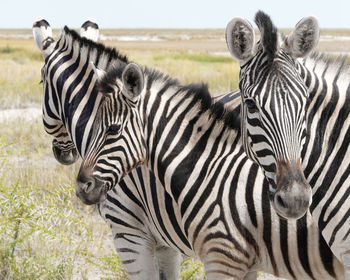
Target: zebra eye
(114, 128)
(251, 106)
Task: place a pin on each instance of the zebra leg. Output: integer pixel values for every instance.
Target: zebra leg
(346, 258)
(251, 276)
(137, 253)
(169, 261)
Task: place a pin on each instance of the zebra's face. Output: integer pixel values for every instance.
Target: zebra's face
(274, 129)
(63, 147)
(274, 100)
(117, 144)
(273, 116)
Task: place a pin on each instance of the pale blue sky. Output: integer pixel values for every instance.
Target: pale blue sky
(173, 14)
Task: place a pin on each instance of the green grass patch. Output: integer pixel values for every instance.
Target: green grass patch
(192, 270)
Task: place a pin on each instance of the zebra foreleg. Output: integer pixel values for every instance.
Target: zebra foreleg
(137, 253)
(169, 261)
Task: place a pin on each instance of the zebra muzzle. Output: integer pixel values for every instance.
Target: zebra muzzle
(64, 156)
(293, 194)
(89, 189)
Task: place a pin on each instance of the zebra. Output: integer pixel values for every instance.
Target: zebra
(128, 212)
(192, 145)
(295, 122)
(146, 194)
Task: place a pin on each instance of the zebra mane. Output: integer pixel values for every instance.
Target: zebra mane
(198, 91)
(88, 47)
(340, 62)
(268, 33)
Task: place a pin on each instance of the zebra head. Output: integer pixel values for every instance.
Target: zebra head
(274, 99)
(63, 147)
(117, 144)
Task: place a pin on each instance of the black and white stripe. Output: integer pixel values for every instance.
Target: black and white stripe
(193, 147)
(137, 211)
(273, 125)
(300, 109)
(325, 153)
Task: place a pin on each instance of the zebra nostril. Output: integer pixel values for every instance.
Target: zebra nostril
(279, 201)
(89, 186)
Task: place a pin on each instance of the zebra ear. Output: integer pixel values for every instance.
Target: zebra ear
(133, 81)
(98, 72)
(89, 30)
(42, 33)
(303, 39)
(240, 39)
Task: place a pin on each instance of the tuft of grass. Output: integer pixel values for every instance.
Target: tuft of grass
(46, 232)
(192, 270)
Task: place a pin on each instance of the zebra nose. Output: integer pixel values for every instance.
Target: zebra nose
(85, 182)
(292, 201)
(89, 189)
(293, 195)
(65, 157)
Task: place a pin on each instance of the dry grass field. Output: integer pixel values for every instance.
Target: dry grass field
(45, 231)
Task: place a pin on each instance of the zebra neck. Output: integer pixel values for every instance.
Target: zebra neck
(185, 137)
(328, 116)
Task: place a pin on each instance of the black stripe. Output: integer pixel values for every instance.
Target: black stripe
(266, 213)
(249, 194)
(326, 255)
(285, 244)
(344, 219)
(302, 249)
(122, 207)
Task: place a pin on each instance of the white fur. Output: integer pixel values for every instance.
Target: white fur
(40, 34)
(90, 33)
(99, 72)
